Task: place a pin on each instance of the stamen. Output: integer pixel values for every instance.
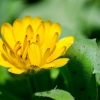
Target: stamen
(25, 51)
(17, 43)
(4, 47)
(17, 47)
(11, 53)
(25, 42)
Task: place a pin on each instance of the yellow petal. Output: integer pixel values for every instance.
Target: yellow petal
(4, 62)
(29, 32)
(18, 30)
(56, 53)
(55, 28)
(6, 31)
(45, 56)
(36, 23)
(51, 45)
(27, 20)
(25, 51)
(67, 41)
(40, 31)
(28, 37)
(56, 63)
(1, 45)
(53, 41)
(34, 54)
(15, 70)
(4, 55)
(17, 48)
(47, 26)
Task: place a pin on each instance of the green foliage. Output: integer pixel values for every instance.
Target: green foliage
(98, 78)
(77, 15)
(97, 65)
(5, 95)
(4, 75)
(82, 56)
(78, 18)
(10, 10)
(56, 94)
(54, 73)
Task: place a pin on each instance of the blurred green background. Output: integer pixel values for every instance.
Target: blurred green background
(80, 18)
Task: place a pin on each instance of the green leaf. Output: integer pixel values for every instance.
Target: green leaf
(97, 66)
(82, 55)
(56, 94)
(98, 78)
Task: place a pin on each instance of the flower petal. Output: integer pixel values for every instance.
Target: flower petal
(53, 42)
(1, 45)
(56, 63)
(47, 26)
(29, 32)
(67, 42)
(56, 53)
(4, 55)
(3, 62)
(34, 54)
(27, 20)
(45, 56)
(18, 30)
(40, 31)
(55, 28)
(6, 31)
(15, 70)
(36, 23)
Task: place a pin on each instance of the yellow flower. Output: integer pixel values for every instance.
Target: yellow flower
(31, 44)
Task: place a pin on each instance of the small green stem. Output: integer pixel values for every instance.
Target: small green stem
(35, 83)
(29, 85)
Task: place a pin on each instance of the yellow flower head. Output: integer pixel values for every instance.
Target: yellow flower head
(31, 44)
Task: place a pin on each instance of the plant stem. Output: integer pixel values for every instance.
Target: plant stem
(29, 85)
(35, 83)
